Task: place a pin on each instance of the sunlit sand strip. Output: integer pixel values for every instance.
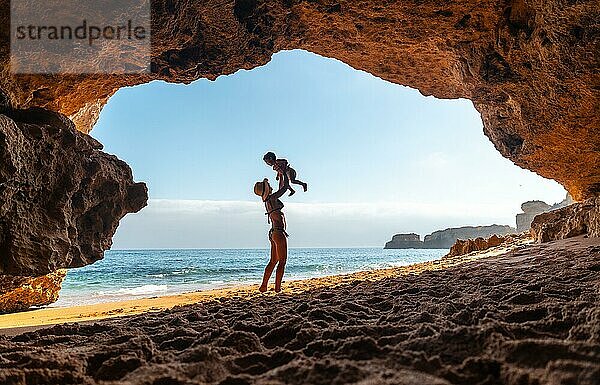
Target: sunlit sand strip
(51, 316)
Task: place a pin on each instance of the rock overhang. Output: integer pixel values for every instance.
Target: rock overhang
(531, 68)
(61, 197)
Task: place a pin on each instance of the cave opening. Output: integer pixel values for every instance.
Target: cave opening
(379, 158)
(359, 141)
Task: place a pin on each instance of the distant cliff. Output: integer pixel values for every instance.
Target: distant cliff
(405, 241)
(444, 239)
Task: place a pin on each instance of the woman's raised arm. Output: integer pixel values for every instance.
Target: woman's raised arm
(282, 188)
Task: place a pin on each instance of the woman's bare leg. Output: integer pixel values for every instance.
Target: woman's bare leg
(281, 250)
(269, 268)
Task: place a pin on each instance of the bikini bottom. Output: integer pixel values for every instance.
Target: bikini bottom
(277, 229)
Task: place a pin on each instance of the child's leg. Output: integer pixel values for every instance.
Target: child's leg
(292, 176)
(281, 250)
(292, 191)
(269, 268)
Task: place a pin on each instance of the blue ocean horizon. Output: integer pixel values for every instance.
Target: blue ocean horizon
(131, 274)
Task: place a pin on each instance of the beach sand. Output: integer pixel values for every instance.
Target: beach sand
(11, 324)
(527, 316)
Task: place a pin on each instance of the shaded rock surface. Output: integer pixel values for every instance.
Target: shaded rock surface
(444, 239)
(530, 67)
(20, 293)
(61, 197)
(531, 316)
(577, 219)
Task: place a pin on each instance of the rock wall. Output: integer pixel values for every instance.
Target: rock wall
(444, 239)
(20, 293)
(61, 197)
(530, 67)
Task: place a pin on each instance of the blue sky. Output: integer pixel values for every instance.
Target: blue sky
(364, 145)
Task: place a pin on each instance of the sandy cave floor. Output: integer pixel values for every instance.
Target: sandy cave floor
(530, 316)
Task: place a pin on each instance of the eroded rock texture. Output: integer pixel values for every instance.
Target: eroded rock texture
(20, 293)
(61, 198)
(531, 67)
(528, 317)
(466, 246)
(577, 219)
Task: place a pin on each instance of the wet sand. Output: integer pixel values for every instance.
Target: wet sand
(529, 316)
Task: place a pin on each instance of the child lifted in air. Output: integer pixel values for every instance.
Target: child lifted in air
(281, 166)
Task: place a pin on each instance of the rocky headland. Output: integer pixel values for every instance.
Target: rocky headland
(444, 239)
(405, 241)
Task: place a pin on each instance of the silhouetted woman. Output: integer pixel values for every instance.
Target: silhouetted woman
(277, 234)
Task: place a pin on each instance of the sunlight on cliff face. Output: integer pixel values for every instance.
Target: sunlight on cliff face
(357, 140)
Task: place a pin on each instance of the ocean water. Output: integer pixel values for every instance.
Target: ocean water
(129, 274)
